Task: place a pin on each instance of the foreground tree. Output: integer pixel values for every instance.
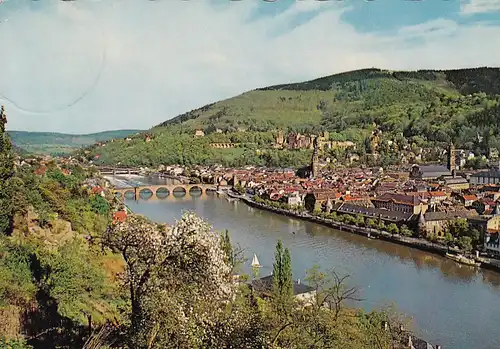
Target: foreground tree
(282, 279)
(6, 175)
(177, 277)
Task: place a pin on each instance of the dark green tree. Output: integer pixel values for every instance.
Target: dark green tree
(6, 174)
(227, 247)
(282, 278)
(277, 269)
(287, 290)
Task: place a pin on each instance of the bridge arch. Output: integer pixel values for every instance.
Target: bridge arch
(162, 192)
(145, 193)
(195, 190)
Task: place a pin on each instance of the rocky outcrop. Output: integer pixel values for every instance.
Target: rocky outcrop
(56, 232)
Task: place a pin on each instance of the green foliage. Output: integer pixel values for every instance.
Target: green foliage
(16, 280)
(392, 229)
(465, 243)
(13, 344)
(75, 279)
(99, 205)
(405, 231)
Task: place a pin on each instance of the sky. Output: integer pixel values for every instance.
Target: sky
(92, 65)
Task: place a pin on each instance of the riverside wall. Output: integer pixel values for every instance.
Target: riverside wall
(416, 243)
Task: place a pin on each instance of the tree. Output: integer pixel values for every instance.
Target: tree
(282, 278)
(465, 243)
(405, 231)
(177, 277)
(6, 175)
(392, 229)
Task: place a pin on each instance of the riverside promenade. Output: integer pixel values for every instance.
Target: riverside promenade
(416, 243)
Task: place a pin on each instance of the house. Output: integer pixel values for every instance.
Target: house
(400, 203)
(199, 133)
(484, 206)
(41, 171)
(315, 200)
(97, 190)
(435, 223)
(301, 292)
(119, 216)
(467, 200)
(436, 197)
(492, 243)
(294, 199)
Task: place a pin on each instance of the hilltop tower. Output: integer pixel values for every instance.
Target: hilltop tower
(452, 157)
(315, 159)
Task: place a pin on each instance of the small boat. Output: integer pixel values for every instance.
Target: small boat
(230, 199)
(463, 260)
(255, 262)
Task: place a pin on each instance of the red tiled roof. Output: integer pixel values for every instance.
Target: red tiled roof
(437, 193)
(470, 197)
(119, 216)
(96, 190)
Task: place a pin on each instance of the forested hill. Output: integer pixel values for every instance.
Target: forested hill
(427, 108)
(56, 143)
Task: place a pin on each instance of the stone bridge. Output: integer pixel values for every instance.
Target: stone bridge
(114, 171)
(164, 190)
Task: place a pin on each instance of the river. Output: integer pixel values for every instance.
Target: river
(451, 305)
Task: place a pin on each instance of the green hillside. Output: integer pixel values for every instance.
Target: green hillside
(421, 108)
(61, 143)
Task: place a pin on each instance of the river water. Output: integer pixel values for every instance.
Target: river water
(452, 305)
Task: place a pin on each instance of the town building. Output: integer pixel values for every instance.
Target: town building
(400, 203)
(301, 291)
(428, 172)
(485, 177)
(375, 213)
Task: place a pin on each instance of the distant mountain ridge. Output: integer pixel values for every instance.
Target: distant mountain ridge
(62, 143)
(405, 110)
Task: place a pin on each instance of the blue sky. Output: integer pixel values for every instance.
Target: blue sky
(93, 65)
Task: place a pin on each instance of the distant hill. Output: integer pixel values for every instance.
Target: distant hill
(61, 143)
(426, 108)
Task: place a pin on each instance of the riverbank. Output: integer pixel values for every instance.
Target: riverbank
(420, 244)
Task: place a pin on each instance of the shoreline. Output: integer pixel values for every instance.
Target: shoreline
(419, 244)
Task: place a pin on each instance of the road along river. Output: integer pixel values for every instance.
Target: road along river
(452, 305)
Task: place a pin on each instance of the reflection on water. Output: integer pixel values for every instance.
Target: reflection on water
(451, 305)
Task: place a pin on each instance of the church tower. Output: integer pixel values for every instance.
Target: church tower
(451, 157)
(315, 159)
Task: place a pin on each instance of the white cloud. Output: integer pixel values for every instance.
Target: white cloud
(163, 58)
(479, 6)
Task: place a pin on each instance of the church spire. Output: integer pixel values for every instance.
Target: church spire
(315, 159)
(451, 157)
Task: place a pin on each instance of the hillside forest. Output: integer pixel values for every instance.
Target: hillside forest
(411, 111)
